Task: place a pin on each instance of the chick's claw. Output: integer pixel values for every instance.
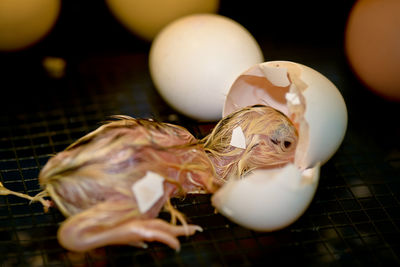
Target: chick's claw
(161, 231)
(130, 232)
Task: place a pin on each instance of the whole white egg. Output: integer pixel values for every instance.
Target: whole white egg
(25, 22)
(271, 199)
(146, 18)
(195, 59)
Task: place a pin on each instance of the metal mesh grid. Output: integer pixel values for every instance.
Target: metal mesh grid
(354, 218)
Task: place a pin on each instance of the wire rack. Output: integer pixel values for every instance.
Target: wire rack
(354, 218)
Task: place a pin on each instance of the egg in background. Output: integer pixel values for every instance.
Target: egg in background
(25, 22)
(372, 44)
(146, 18)
(194, 60)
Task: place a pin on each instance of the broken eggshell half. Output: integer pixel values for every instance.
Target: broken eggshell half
(272, 199)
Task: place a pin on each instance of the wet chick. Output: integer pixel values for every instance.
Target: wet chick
(269, 139)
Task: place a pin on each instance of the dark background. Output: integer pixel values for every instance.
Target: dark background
(354, 218)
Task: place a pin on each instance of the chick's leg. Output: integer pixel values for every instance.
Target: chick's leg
(118, 223)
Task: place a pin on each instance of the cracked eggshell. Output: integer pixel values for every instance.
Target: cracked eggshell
(299, 92)
(194, 60)
(268, 200)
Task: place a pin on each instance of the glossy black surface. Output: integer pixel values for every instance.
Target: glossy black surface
(354, 218)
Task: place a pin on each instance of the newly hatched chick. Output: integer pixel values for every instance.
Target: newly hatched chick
(95, 181)
(92, 183)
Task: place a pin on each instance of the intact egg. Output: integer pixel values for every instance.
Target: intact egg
(271, 199)
(147, 17)
(194, 61)
(25, 22)
(372, 43)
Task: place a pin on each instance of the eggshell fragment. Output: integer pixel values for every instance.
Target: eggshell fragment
(276, 75)
(268, 200)
(238, 139)
(148, 190)
(54, 66)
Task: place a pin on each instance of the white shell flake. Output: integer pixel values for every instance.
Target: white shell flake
(278, 76)
(293, 98)
(238, 139)
(148, 190)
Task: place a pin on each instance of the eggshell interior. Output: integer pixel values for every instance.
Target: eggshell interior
(268, 200)
(315, 105)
